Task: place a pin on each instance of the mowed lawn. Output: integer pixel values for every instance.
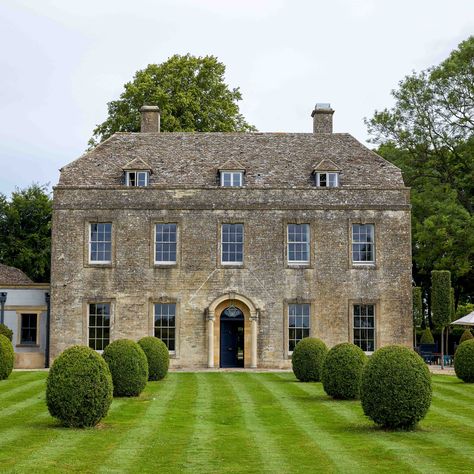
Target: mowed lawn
(233, 422)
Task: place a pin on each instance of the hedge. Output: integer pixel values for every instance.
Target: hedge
(6, 331)
(396, 388)
(157, 355)
(7, 357)
(342, 371)
(464, 361)
(129, 367)
(427, 337)
(79, 387)
(307, 359)
(466, 335)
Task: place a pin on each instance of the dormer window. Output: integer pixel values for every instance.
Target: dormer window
(137, 178)
(327, 179)
(232, 179)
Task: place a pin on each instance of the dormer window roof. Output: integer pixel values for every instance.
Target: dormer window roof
(231, 174)
(137, 173)
(326, 174)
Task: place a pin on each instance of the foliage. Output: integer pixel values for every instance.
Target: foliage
(417, 306)
(427, 337)
(342, 371)
(129, 367)
(466, 335)
(307, 359)
(6, 331)
(464, 310)
(441, 297)
(7, 357)
(79, 387)
(25, 227)
(428, 134)
(157, 355)
(464, 361)
(396, 388)
(190, 92)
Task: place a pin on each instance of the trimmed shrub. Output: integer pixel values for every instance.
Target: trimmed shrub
(427, 337)
(129, 367)
(464, 361)
(7, 357)
(307, 359)
(79, 387)
(342, 371)
(466, 335)
(157, 355)
(396, 388)
(6, 331)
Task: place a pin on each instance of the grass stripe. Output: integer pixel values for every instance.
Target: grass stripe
(271, 455)
(312, 423)
(44, 455)
(13, 393)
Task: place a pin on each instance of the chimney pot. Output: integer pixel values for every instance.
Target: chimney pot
(150, 119)
(322, 118)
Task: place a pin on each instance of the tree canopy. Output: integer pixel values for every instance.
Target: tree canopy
(191, 93)
(428, 133)
(25, 227)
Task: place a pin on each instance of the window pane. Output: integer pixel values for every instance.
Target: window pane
(364, 326)
(298, 323)
(100, 243)
(231, 178)
(29, 328)
(99, 325)
(298, 243)
(165, 243)
(232, 243)
(363, 243)
(165, 324)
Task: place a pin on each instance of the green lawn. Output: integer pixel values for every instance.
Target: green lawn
(233, 422)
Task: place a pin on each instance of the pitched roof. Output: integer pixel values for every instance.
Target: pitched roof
(278, 160)
(137, 164)
(13, 276)
(231, 165)
(327, 165)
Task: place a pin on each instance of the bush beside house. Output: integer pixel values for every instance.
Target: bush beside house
(307, 359)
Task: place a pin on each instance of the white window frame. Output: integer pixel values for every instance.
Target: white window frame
(236, 263)
(308, 243)
(374, 328)
(137, 173)
(372, 244)
(329, 174)
(175, 327)
(233, 174)
(166, 262)
(100, 351)
(297, 327)
(100, 262)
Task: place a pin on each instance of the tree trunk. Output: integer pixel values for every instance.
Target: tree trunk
(442, 348)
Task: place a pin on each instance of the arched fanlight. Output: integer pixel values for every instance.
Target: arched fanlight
(232, 311)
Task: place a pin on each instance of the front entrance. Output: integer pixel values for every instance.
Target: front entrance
(232, 338)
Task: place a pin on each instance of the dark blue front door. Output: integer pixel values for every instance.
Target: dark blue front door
(232, 338)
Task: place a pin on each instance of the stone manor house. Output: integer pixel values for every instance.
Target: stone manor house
(231, 247)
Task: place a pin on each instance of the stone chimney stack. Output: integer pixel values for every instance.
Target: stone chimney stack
(150, 119)
(322, 118)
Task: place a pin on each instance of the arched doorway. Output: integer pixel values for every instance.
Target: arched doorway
(232, 338)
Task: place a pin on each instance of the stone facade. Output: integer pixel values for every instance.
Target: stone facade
(279, 190)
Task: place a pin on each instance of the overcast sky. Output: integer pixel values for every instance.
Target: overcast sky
(61, 61)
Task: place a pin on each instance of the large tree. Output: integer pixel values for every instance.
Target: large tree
(191, 93)
(428, 133)
(25, 230)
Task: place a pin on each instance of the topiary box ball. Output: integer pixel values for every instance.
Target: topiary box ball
(307, 359)
(7, 357)
(79, 387)
(464, 361)
(342, 371)
(396, 388)
(129, 367)
(157, 355)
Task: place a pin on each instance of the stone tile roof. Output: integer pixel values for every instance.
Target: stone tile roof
(272, 160)
(13, 276)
